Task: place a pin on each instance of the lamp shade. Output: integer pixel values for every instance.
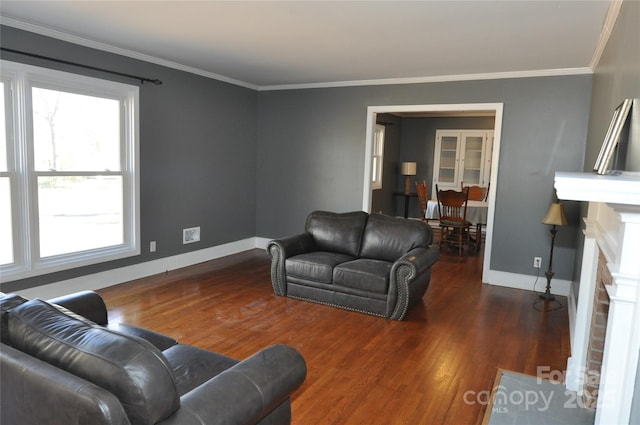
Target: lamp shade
(555, 215)
(408, 169)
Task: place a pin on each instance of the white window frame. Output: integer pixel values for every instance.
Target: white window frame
(23, 177)
(378, 156)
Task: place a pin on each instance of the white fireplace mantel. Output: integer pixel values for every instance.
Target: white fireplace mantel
(613, 228)
(591, 187)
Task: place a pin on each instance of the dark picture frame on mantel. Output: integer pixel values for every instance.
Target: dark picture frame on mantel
(612, 138)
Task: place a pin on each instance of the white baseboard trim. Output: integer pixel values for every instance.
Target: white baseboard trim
(573, 375)
(524, 281)
(108, 278)
(262, 242)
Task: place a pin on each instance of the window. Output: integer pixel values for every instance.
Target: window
(378, 154)
(68, 171)
(6, 249)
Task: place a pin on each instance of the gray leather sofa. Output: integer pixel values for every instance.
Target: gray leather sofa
(373, 264)
(62, 363)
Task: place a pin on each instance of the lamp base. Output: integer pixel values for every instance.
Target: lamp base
(549, 274)
(545, 305)
(407, 184)
(548, 296)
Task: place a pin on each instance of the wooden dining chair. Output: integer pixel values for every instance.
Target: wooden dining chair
(452, 209)
(421, 190)
(477, 193)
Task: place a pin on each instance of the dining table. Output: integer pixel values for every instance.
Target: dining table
(476, 211)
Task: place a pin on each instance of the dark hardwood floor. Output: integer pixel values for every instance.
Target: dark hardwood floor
(431, 368)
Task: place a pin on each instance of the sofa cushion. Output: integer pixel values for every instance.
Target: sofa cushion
(389, 238)
(130, 368)
(337, 232)
(364, 274)
(315, 266)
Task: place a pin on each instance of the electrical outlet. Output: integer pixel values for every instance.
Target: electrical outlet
(537, 262)
(191, 235)
(152, 246)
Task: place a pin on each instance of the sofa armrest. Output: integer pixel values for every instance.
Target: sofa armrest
(87, 304)
(410, 276)
(293, 245)
(246, 392)
(280, 250)
(419, 260)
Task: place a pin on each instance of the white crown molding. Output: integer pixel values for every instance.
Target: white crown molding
(607, 27)
(434, 79)
(49, 32)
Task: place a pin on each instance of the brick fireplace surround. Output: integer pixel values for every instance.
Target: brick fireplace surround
(597, 332)
(612, 234)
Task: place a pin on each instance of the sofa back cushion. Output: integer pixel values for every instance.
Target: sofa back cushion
(337, 232)
(389, 238)
(130, 368)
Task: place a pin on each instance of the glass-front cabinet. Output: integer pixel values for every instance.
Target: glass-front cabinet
(462, 156)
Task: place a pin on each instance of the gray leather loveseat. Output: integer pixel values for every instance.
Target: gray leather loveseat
(372, 264)
(62, 363)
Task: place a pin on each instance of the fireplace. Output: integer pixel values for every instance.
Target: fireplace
(605, 320)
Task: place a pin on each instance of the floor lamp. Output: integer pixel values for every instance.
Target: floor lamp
(555, 217)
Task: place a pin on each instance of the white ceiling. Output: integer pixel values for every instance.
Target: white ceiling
(269, 44)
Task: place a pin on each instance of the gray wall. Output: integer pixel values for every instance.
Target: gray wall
(197, 152)
(311, 147)
(616, 77)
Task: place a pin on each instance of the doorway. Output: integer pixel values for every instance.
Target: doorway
(467, 109)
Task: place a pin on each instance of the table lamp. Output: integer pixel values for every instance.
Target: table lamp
(555, 217)
(407, 169)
